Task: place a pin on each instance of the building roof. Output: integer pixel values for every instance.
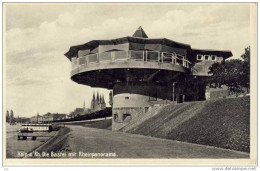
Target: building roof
(140, 37)
(224, 53)
(140, 33)
(95, 43)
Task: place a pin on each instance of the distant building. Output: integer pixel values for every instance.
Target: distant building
(49, 117)
(21, 120)
(97, 103)
(34, 119)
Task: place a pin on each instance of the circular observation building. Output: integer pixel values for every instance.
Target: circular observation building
(142, 72)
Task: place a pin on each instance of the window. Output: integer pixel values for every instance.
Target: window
(116, 117)
(199, 57)
(206, 57)
(146, 109)
(213, 57)
(126, 98)
(127, 117)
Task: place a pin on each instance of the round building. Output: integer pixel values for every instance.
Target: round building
(143, 72)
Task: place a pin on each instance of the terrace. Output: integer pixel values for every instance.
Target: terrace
(131, 55)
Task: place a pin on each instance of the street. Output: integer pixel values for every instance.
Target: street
(91, 140)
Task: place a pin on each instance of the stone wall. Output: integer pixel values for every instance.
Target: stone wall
(122, 116)
(131, 101)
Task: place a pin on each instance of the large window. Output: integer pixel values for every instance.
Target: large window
(137, 55)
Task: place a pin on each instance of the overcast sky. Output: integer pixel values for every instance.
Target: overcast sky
(38, 35)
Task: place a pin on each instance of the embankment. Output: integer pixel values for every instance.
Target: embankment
(55, 143)
(223, 123)
(100, 124)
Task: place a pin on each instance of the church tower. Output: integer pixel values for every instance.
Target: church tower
(103, 103)
(97, 105)
(93, 101)
(97, 102)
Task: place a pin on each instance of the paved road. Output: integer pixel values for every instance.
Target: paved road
(91, 140)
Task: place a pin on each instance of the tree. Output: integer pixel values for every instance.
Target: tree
(245, 82)
(246, 55)
(217, 70)
(235, 74)
(232, 73)
(7, 116)
(227, 73)
(11, 116)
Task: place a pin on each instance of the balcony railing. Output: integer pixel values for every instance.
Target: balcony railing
(148, 56)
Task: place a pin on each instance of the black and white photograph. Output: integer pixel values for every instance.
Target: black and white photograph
(92, 82)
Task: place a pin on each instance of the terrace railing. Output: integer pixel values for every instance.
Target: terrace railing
(148, 56)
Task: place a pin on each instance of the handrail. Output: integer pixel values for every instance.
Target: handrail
(138, 55)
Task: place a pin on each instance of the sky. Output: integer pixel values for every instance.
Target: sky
(36, 37)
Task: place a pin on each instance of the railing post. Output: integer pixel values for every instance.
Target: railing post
(97, 57)
(143, 55)
(113, 56)
(158, 56)
(146, 55)
(172, 58)
(162, 57)
(183, 61)
(86, 59)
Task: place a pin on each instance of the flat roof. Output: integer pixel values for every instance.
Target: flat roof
(224, 53)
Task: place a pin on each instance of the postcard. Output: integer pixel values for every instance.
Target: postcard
(130, 84)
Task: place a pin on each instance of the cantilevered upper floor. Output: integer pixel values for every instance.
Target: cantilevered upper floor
(139, 51)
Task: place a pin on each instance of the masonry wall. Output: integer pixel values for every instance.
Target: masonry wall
(131, 101)
(121, 116)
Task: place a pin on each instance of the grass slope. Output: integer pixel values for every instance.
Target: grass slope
(222, 123)
(103, 124)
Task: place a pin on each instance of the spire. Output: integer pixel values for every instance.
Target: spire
(103, 100)
(97, 96)
(140, 33)
(93, 99)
